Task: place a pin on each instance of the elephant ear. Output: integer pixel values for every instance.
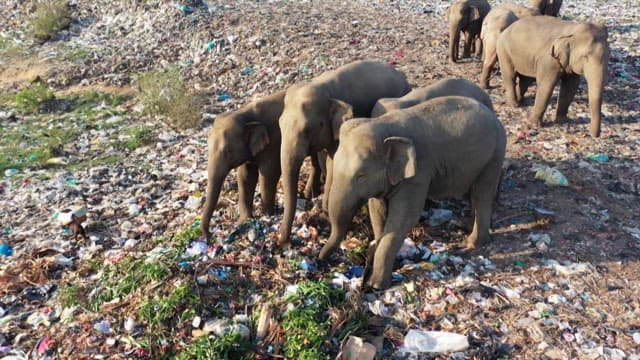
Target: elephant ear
(258, 138)
(340, 112)
(400, 159)
(560, 49)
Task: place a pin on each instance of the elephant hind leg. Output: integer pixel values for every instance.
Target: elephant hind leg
(312, 188)
(269, 176)
(490, 60)
(468, 41)
(568, 88)
(523, 85)
(482, 194)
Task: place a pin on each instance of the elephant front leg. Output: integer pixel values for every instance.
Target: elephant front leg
(269, 176)
(312, 188)
(546, 81)
(378, 215)
(327, 183)
(247, 181)
(509, 82)
(403, 212)
(568, 88)
(478, 46)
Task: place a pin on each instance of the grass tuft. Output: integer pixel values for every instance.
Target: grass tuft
(165, 93)
(50, 17)
(29, 99)
(159, 310)
(229, 346)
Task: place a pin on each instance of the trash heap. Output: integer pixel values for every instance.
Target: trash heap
(101, 255)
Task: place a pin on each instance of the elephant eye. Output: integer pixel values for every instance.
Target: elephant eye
(360, 176)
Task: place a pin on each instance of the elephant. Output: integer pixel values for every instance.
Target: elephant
(248, 139)
(466, 16)
(313, 113)
(560, 49)
(547, 7)
(498, 19)
(444, 87)
(444, 147)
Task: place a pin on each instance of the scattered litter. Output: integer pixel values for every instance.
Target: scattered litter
(601, 158)
(439, 217)
(357, 349)
(418, 341)
(551, 176)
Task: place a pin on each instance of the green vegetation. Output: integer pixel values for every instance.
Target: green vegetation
(139, 135)
(165, 93)
(158, 311)
(9, 47)
(230, 346)
(70, 295)
(50, 17)
(29, 99)
(307, 326)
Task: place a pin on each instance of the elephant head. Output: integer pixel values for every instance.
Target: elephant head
(309, 123)
(234, 139)
(586, 52)
(461, 14)
(365, 166)
(547, 7)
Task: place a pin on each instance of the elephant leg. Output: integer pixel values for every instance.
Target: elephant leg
(523, 85)
(509, 83)
(247, 181)
(327, 183)
(482, 195)
(568, 88)
(312, 189)
(546, 82)
(269, 176)
(378, 215)
(490, 59)
(468, 39)
(478, 47)
(403, 213)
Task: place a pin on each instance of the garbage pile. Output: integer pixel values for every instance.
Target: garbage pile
(100, 249)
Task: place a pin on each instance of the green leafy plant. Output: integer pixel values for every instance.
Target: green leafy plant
(229, 346)
(30, 98)
(139, 135)
(50, 17)
(165, 93)
(159, 310)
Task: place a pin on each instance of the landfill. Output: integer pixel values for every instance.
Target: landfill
(101, 256)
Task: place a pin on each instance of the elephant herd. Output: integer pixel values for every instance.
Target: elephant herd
(378, 141)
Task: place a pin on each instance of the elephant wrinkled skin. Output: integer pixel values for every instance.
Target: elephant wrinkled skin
(247, 139)
(444, 87)
(466, 16)
(560, 49)
(313, 113)
(444, 147)
(498, 19)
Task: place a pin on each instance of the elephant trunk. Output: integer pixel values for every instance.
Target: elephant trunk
(216, 175)
(342, 206)
(595, 83)
(291, 162)
(454, 41)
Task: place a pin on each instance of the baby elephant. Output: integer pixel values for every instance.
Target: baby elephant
(466, 16)
(247, 139)
(545, 48)
(498, 19)
(444, 147)
(444, 87)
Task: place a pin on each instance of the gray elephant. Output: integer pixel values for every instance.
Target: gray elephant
(498, 19)
(248, 139)
(547, 7)
(466, 16)
(444, 147)
(313, 113)
(561, 49)
(444, 87)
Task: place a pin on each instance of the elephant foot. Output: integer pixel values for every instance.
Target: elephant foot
(376, 283)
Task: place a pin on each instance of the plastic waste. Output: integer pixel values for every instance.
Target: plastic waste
(103, 327)
(221, 327)
(11, 172)
(601, 158)
(439, 217)
(45, 344)
(193, 202)
(408, 250)
(224, 97)
(418, 341)
(5, 249)
(197, 248)
(130, 325)
(357, 349)
(551, 176)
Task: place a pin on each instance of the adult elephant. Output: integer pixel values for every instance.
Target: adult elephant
(547, 7)
(498, 19)
(313, 113)
(560, 49)
(466, 16)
